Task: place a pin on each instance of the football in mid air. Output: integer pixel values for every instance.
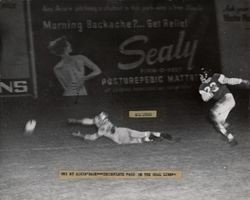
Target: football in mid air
(30, 127)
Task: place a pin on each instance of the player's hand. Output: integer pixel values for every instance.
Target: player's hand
(76, 134)
(207, 96)
(246, 83)
(75, 121)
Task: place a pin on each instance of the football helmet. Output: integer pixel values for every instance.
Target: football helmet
(204, 73)
(101, 119)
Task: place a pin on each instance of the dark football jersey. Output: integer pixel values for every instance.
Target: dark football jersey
(214, 86)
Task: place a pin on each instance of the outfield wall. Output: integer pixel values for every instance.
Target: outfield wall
(15, 68)
(233, 18)
(140, 46)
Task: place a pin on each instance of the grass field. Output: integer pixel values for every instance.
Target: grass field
(211, 169)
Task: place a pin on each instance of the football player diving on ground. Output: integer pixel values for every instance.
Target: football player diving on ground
(119, 135)
(215, 87)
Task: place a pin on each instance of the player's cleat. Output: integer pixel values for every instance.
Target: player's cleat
(153, 137)
(156, 134)
(233, 142)
(230, 137)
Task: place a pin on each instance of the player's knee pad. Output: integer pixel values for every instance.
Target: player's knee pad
(151, 137)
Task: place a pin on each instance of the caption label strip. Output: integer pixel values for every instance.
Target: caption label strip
(143, 113)
(77, 174)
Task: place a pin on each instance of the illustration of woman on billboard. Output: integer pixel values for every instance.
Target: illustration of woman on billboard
(70, 70)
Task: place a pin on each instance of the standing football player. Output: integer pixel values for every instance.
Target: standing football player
(119, 135)
(215, 87)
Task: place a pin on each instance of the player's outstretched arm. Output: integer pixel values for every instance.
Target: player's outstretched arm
(78, 134)
(92, 137)
(230, 81)
(84, 121)
(234, 81)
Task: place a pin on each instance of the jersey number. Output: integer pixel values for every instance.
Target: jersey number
(211, 88)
